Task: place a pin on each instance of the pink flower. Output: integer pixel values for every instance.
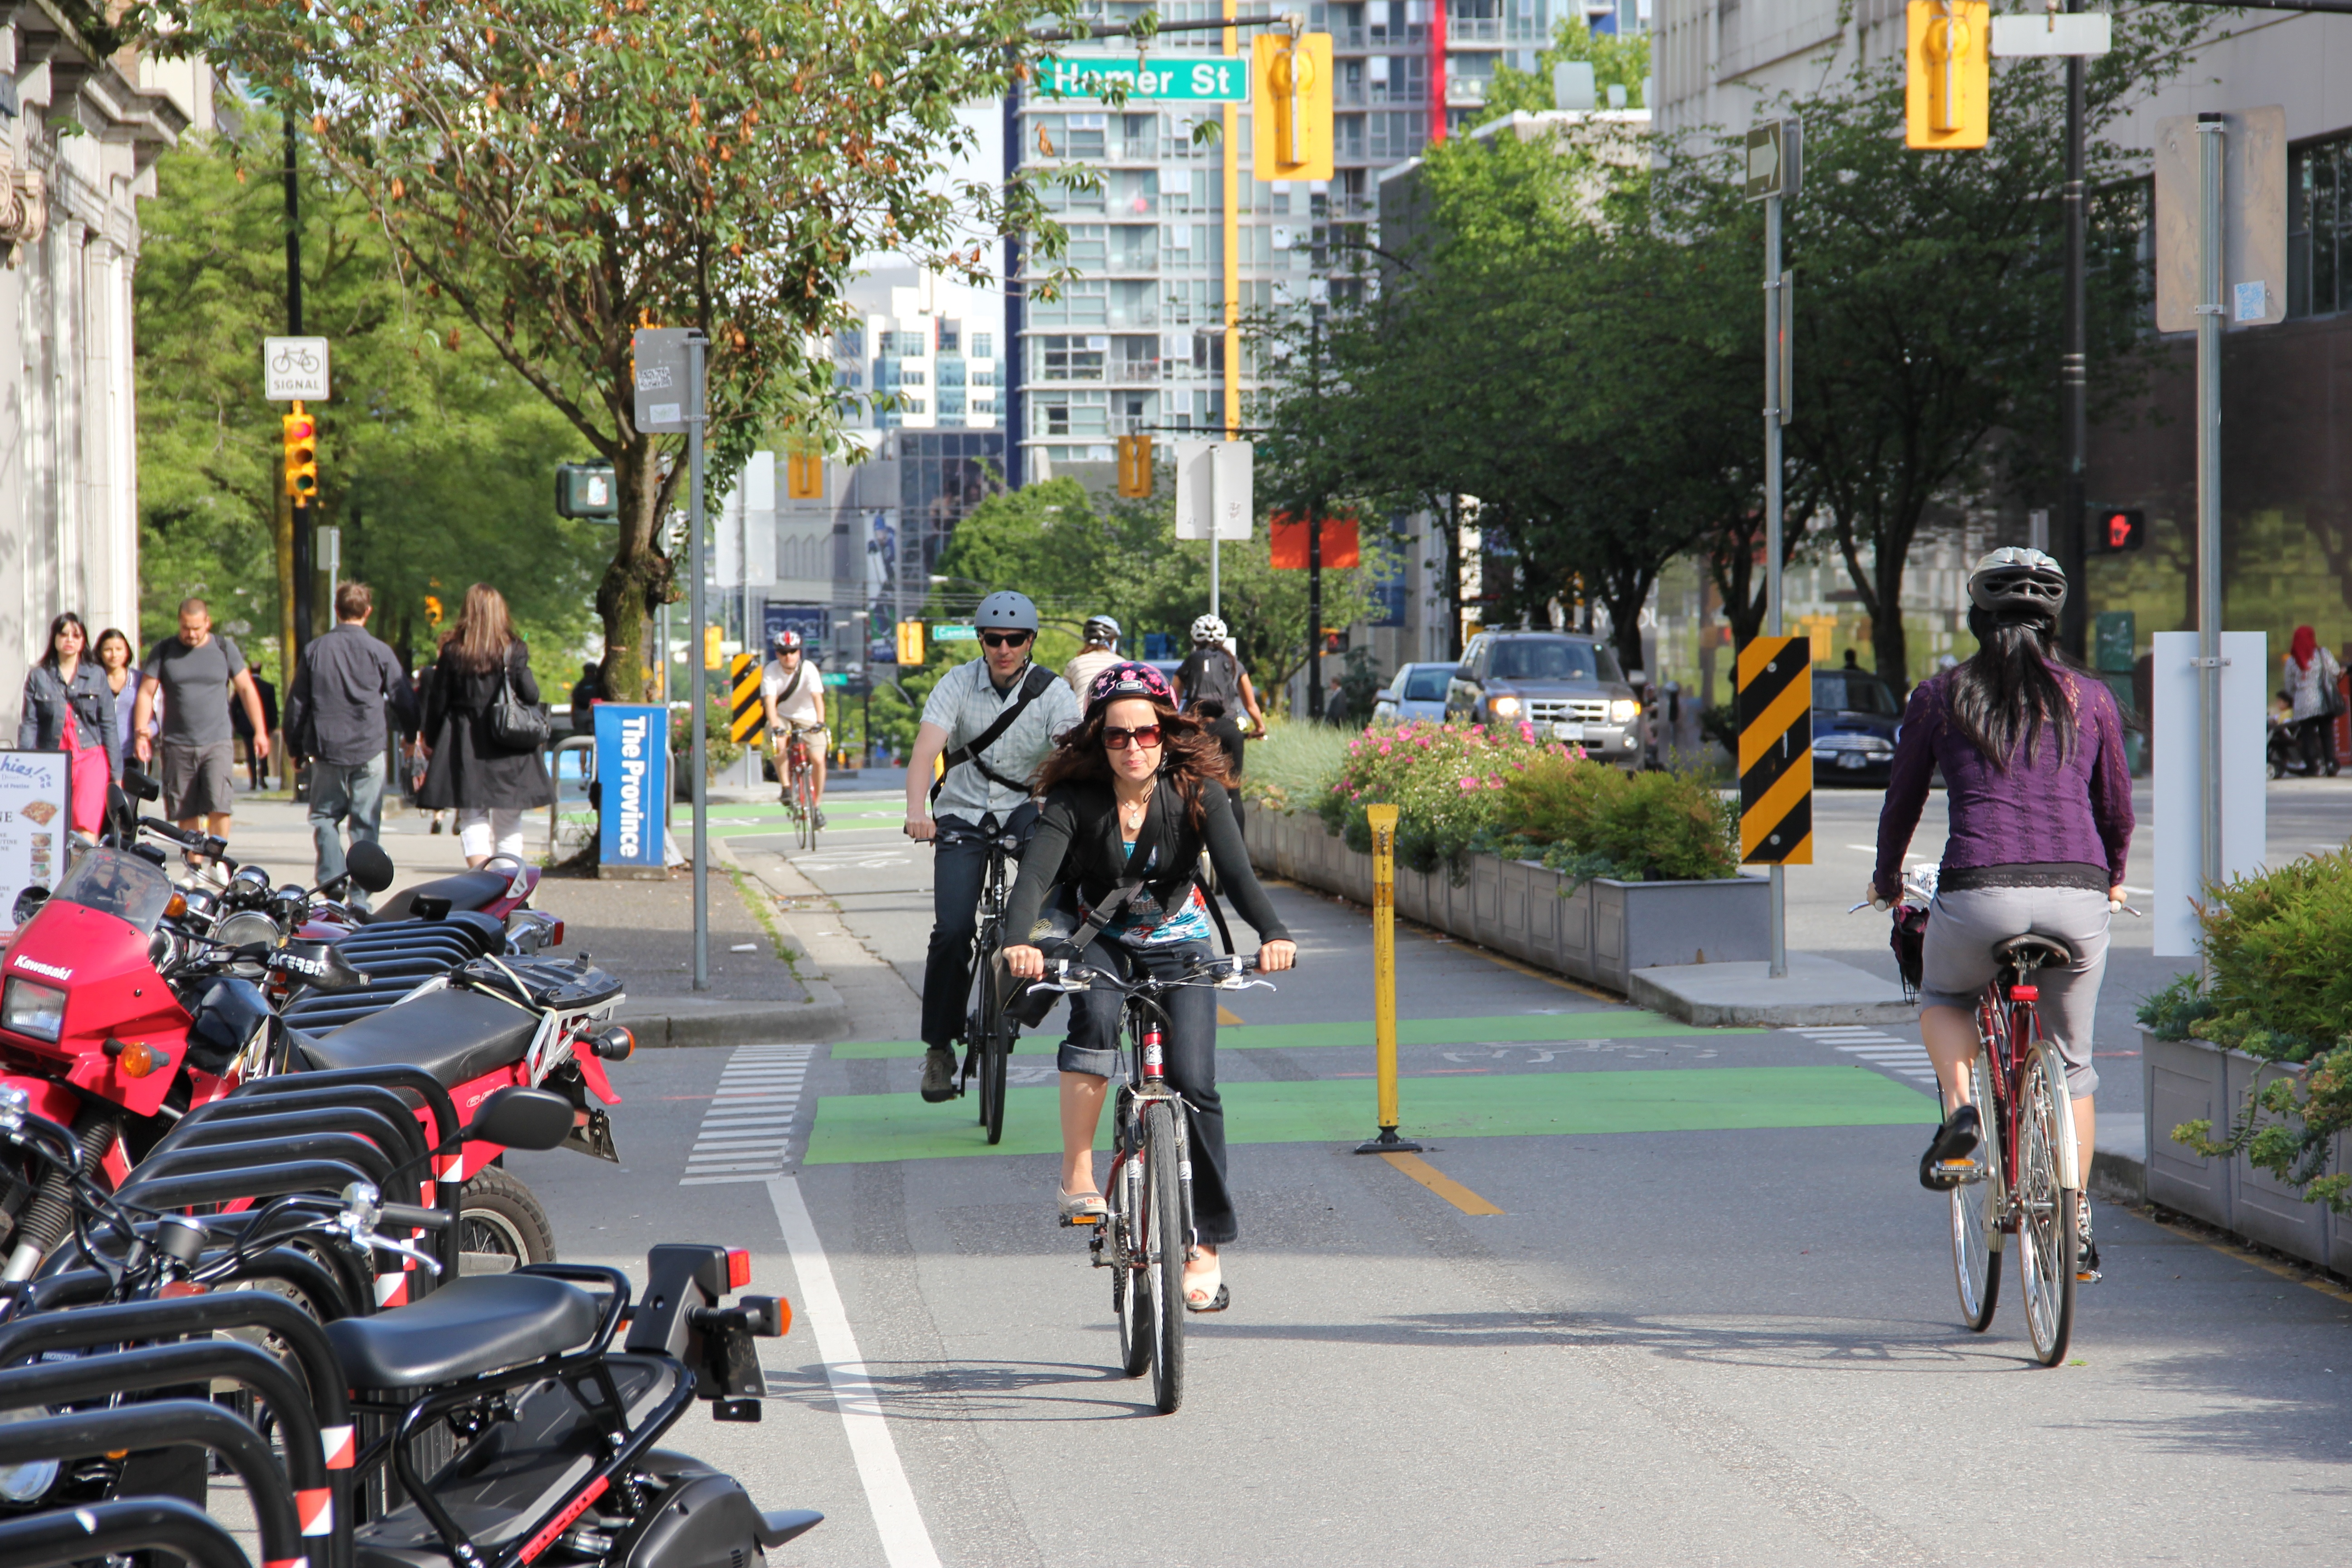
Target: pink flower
(1466, 784)
(1527, 731)
(1386, 748)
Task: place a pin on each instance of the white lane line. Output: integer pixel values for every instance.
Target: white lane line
(906, 1543)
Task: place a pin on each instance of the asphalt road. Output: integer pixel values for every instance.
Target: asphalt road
(1713, 1323)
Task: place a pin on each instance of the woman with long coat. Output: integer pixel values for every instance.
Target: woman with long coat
(489, 785)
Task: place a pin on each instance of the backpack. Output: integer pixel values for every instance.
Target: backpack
(1220, 682)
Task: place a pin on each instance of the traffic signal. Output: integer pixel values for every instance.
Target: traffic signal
(2113, 533)
(586, 490)
(301, 439)
(1134, 467)
(1290, 106)
(711, 653)
(804, 476)
(910, 642)
(1948, 74)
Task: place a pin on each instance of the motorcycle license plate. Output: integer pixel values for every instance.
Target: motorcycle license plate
(1562, 730)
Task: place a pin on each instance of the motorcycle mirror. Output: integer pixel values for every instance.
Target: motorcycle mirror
(369, 866)
(320, 964)
(520, 1117)
(28, 902)
(138, 785)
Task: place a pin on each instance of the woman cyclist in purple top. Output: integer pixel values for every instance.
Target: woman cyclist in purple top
(2039, 797)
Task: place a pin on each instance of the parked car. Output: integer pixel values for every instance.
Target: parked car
(1854, 719)
(1416, 691)
(1569, 687)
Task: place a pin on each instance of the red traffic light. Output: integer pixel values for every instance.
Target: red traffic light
(2113, 533)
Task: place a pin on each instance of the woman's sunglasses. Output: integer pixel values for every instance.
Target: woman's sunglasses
(1004, 639)
(1119, 739)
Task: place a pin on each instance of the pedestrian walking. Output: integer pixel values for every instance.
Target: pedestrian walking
(69, 708)
(2308, 681)
(489, 781)
(114, 654)
(349, 688)
(195, 673)
(583, 701)
(241, 727)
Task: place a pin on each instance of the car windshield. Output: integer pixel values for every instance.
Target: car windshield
(1426, 685)
(1852, 692)
(1549, 659)
(117, 884)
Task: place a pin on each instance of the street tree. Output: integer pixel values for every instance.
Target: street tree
(563, 172)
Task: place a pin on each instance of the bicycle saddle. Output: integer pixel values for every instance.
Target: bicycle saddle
(2033, 950)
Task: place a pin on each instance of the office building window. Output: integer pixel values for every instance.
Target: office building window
(984, 345)
(2319, 228)
(949, 335)
(1071, 358)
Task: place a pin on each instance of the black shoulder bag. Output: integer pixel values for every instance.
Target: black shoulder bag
(1033, 687)
(515, 724)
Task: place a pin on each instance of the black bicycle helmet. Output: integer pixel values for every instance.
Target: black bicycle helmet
(1006, 611)
(2017, 584)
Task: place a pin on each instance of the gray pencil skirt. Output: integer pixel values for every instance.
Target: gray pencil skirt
(1956, 962)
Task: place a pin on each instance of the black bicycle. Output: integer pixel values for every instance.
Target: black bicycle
(1145, 1236)
(988, 1032)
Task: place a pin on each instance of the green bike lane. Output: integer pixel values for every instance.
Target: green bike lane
(1713, 1321)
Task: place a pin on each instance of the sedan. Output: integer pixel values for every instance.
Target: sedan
(1417, 692)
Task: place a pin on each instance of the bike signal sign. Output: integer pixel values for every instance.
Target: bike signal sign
(294, 369)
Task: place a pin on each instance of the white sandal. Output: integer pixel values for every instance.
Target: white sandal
(1209, 1288)
(1082, 1208)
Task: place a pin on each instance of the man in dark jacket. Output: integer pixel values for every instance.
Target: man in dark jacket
(347, 685)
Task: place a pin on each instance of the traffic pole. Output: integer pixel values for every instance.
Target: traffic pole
(2210, 130)
(1383, 819)
(696, 696)
(1773, 392)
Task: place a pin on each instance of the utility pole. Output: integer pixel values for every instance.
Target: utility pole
(1314, 539)
(304, 589)
(697, 684)
(2074, 369)
(2211, 129)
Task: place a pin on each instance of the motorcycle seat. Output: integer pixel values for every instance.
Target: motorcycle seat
(465, 891)
(470, 1326)
(456, 1036)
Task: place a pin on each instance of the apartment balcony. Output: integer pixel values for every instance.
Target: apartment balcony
(1464, 92)
(1132, 372)
(1462, 30)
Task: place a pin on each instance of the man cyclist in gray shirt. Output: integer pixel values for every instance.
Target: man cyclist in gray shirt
(994, 720)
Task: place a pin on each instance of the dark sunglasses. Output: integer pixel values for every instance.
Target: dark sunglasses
(1119, 739)
(1006, 640)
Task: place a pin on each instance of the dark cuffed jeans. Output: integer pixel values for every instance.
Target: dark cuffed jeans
(1189, 1052)
(957, 872)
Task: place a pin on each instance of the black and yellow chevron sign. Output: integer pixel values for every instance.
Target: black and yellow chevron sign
(1776, 752)
(750, 715)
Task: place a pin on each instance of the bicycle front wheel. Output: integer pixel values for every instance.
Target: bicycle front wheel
(804, 804)
(979, 1012)
(1131, 1282)
(1976, 1214)
(1165, 1255)
(995, 1048)
(2046, 1235)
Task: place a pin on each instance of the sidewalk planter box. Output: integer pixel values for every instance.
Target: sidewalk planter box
(2187, 1080)
(1598, 933)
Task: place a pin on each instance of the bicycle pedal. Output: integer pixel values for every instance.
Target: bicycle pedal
(1962, 1173)
(1085, 1221)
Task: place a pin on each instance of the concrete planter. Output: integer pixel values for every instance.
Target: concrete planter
(2187, 1080)
(1599, 932)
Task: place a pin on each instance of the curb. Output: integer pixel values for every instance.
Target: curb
(692, 1021)
(1645, 992)
(2117, 1176)
(1738, 994)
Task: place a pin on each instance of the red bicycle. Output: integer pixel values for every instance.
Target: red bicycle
(800, 790)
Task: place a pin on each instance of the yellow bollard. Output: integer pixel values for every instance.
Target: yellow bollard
(1383, 820)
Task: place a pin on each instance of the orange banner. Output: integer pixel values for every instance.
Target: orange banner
(1341, 546)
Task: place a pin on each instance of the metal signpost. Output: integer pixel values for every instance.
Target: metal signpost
(669, 397)
(1214, 498)
(1775, 170)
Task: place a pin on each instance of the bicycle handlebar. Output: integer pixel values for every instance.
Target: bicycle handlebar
(1224, 974)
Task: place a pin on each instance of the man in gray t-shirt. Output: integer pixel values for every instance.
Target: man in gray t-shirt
(195, 672)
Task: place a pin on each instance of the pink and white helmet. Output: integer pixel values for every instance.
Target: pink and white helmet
(1128, 678)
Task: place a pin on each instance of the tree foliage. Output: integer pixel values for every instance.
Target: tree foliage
(563, 172)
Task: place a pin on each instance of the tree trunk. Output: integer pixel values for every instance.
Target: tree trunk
(638, 579)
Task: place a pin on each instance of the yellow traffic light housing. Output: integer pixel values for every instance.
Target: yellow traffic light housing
(804, 476)
(1947, 82)
(1290, 106)
(910, 642)
(301, 455)
(1134, 467)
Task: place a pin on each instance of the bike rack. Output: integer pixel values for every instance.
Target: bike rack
(586, 745)
(102, 1531)
(84, 1433)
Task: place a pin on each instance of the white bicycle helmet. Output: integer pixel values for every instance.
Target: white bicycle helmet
(2015, 581)
(1102, 630)
(1208, 629)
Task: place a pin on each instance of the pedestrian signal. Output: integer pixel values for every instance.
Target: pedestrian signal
(910, 642)
(1134, 467)
(301, 441)
(1290, 107)
(586, 490)
(804, 476)
(2113, 533)
(1948, 74)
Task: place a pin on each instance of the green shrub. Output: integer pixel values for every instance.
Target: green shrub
(2174, 1013)
(1590, 819)
(1293, 765)
(1447, 782)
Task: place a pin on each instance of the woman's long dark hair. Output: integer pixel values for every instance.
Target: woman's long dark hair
(1189, 757)
(2011, 690)
(49, 654)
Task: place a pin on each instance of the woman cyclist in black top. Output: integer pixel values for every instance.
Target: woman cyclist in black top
(1137, 791)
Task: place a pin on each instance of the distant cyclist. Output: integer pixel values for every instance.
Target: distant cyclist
(1100, 653)
(792, 693)
(992, 722)
(1213, 673)
(2039, 801)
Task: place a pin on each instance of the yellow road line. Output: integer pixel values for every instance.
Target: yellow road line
(2245, 1254)
(1226, 1014)
(1444, 1185)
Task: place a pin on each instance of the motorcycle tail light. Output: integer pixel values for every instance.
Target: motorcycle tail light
(555, 937)
(37, 1012)
(739, 1268)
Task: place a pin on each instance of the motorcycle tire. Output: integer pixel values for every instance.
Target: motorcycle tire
(501, 1218)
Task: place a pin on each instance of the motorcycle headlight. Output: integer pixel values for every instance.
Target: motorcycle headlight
(36, 1012)
(1624, 711)
(1503, 706)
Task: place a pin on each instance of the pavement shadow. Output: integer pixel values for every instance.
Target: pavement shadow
(987, 1391)
(2247, 1405)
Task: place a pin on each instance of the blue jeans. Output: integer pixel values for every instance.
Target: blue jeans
(336, 792)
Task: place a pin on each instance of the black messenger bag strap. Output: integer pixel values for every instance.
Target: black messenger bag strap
(1032, 685)
(1124, 892)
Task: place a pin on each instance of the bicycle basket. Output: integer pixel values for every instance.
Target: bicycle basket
(1909, 940)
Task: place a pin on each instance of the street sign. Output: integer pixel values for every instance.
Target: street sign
(1213, 490)
(2254, 219)
(943, 631)
(1775, 159)
(836, 678)
(294, 369)
(2052, 33)
(660, 370)
(747, 716)
(1169, 78)
(1776, 752)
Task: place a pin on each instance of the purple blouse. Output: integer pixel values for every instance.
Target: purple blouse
(2038, 812)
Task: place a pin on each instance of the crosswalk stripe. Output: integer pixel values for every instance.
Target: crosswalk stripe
(746, 1131)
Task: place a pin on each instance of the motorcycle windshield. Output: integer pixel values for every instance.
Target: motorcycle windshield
(117, 884)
